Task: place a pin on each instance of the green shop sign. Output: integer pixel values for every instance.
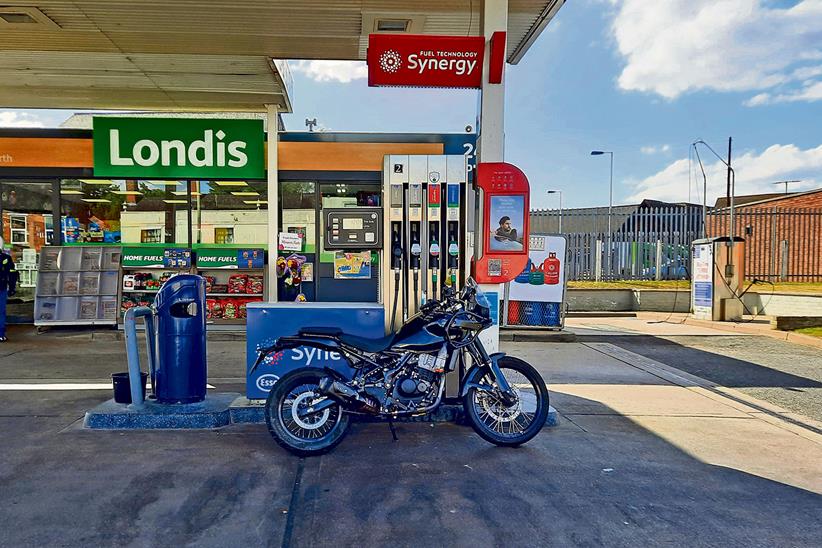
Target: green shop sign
(157, 257)
(178, 148)
(230, 258)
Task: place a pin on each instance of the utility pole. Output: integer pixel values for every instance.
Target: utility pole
(732, 230)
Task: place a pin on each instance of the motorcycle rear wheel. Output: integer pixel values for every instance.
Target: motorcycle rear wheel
(513, 425)
(308, 435)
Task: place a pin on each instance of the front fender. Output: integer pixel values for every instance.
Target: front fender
(477, 372)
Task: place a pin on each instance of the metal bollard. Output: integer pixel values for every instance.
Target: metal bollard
(133, 352)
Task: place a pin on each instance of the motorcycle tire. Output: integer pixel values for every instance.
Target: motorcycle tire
(478, 411)
(295, 434)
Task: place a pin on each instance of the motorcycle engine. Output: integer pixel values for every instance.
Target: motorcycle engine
(416, 382)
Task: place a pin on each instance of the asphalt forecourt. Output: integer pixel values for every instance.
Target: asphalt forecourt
(637, 458)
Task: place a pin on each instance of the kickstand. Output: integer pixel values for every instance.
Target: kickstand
(393, 430)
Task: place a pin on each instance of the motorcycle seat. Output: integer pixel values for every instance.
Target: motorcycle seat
(322, 331)
(367, 344)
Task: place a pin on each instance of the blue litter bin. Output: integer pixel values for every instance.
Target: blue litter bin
(181, 340)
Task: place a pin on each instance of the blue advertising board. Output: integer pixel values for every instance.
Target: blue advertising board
(268, 321)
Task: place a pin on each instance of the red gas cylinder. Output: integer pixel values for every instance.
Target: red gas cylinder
(550, 267)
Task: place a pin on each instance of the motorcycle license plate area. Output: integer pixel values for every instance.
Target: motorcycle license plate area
(269, 321)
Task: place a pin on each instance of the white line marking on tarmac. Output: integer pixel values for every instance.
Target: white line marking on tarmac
(61, 386)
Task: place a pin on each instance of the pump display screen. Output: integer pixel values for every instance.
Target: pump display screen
(350, 223)
(507, 223)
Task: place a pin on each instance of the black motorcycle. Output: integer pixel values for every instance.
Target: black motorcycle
(403, 374)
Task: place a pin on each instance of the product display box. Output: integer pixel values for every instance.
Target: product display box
(77, 285)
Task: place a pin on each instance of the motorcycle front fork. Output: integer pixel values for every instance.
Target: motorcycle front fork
(482, 359)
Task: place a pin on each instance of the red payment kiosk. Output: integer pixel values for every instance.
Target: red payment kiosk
(505, 222)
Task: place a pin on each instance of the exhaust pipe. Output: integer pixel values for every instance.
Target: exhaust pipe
(348, 397)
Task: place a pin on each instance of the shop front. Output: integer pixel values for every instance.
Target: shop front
(60, 189)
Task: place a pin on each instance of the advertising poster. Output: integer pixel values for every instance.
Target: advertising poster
(290, 241)
(352, 266)
(543, 279)
(703, 282)
(507, 222)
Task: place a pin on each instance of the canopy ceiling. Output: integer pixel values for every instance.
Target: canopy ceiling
(208, 54)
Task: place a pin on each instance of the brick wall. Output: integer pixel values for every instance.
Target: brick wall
(782, 236)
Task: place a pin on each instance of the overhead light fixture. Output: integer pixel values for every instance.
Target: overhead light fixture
(96, 200)
(127, 192)
(184, 193)
(29, 18)
(246, 193)
(16, 18)
(255, 202)
(176, 201)
(69, 191)
(163, 183)
(106, 182)
(393, 25)
(230, 183)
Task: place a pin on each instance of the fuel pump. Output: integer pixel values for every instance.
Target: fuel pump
(455, 184)
(417, 170)
(395, 171)
(436, 170)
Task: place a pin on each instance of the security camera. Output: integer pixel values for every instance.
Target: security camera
(468, 129)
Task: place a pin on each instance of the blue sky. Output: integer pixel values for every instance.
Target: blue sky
(638, 77)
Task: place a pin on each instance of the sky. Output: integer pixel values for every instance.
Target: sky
(641, 78)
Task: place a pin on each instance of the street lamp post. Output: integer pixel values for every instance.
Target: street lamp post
(610, 200)
(560, 207)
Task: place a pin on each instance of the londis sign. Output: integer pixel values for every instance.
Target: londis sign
(425, 61)
(178, 148)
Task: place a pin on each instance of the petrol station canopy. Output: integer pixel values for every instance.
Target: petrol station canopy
(200, 55)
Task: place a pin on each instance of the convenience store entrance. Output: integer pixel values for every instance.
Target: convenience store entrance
(312, 271)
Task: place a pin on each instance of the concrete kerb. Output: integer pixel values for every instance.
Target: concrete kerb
(802, 426)
(224, 409)
(742, 327)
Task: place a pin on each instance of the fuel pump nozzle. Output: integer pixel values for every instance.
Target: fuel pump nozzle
(434, 265)
(416, 250)
(453, 260)
(396, 266)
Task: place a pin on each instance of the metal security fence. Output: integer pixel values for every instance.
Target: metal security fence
(782, 244)
(650, 243)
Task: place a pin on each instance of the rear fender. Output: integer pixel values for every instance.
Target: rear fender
(477, 372)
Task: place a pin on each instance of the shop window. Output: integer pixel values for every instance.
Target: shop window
(18, 225)
(123, 211)
(224, 235)
(151, 236)
(347, 194)
(228, 213)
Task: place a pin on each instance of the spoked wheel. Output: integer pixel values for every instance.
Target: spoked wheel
(515, 424)
(293, 425)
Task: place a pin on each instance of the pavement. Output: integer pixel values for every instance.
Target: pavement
(645, 454)
(745, 357)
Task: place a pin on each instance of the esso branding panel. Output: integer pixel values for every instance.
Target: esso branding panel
(425, 61)
(506, 221)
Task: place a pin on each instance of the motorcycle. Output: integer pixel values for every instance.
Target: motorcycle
(403, 374)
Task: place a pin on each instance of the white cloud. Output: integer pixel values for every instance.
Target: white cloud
(331, 71)
(673, 47)
(755, 174)
(811, 91)
(655, 149)
(10, 118)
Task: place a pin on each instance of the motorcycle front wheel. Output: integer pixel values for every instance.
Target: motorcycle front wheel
(300, 433)
(515, 424)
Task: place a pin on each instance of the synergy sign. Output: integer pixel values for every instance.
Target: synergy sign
(425, 61)
(184, 148)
